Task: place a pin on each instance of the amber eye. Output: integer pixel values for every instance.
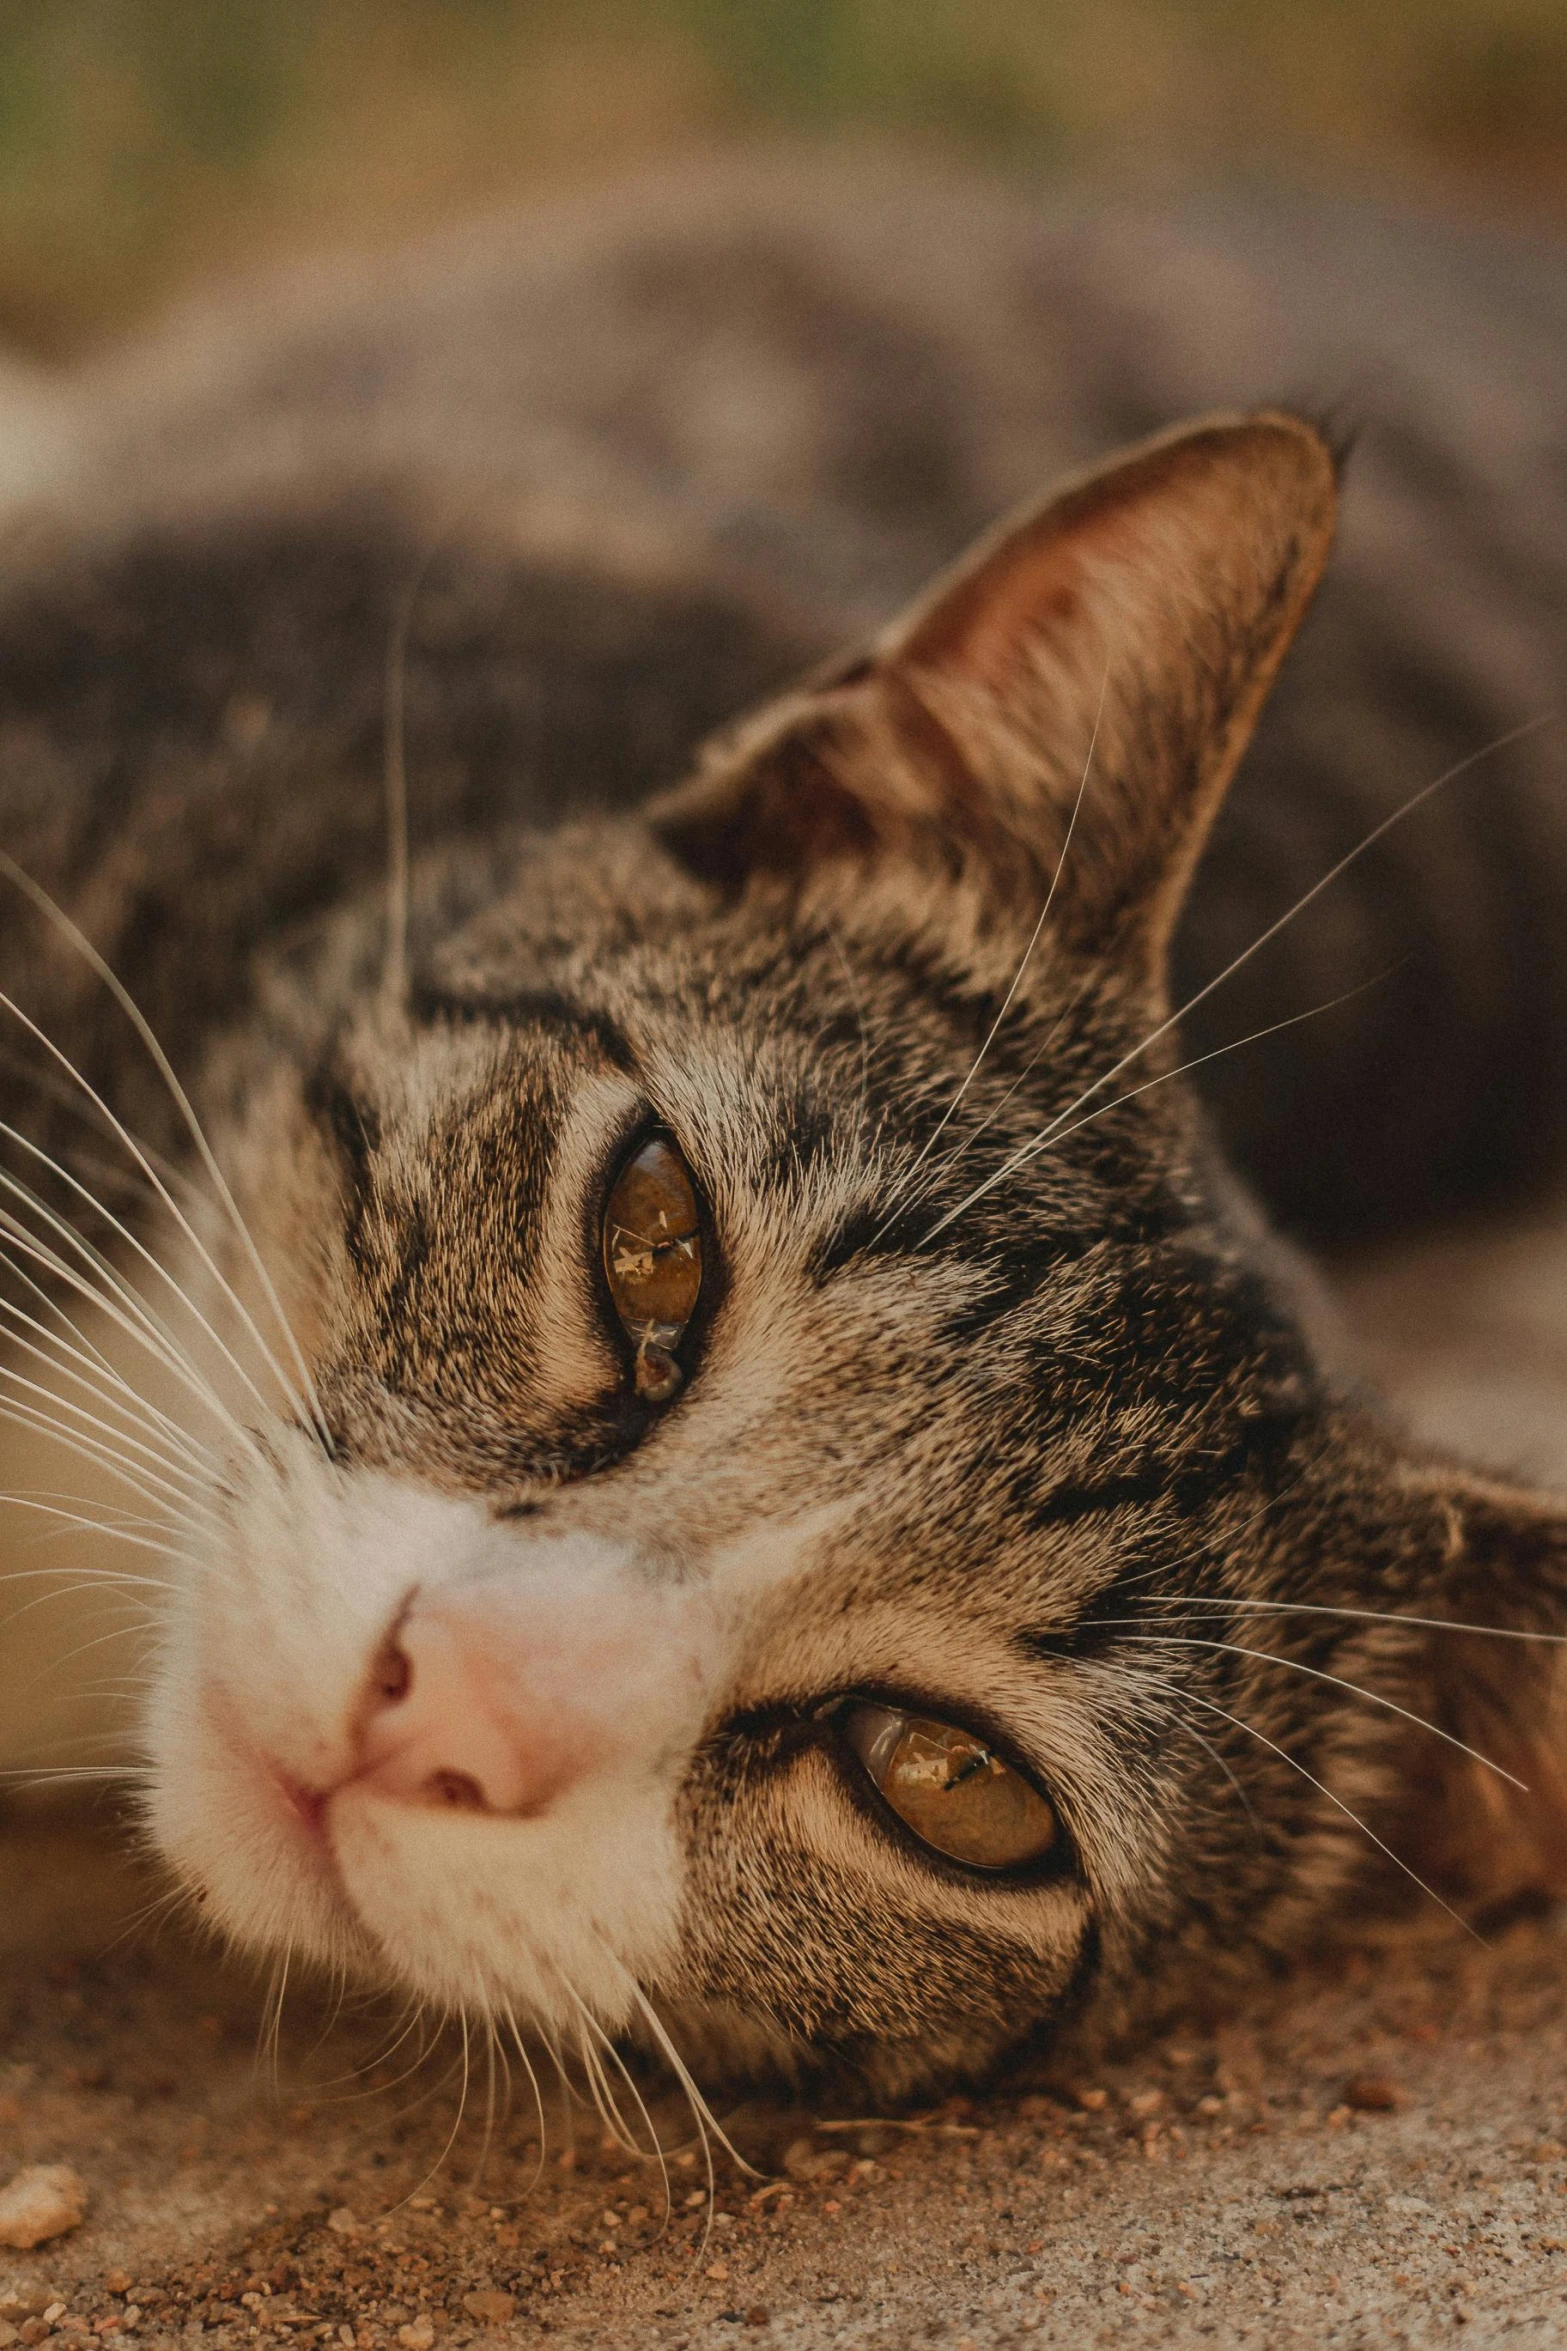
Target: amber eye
(653, 1260)
(952, 1790)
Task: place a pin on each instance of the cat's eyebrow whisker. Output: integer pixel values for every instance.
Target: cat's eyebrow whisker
(1057, 1132)
(1124, 1672)
(56, 914)
(1431, 1624)
(1190, 1697)
(1318, 1674)
(982, 1126)
(1368, 841)
(1251, 1730)
(900, 1191)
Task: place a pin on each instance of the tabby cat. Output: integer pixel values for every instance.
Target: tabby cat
(716, 1440)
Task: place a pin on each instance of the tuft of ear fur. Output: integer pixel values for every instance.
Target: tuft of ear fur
(1091, 669)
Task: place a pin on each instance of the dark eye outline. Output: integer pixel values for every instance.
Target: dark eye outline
(1059, 1860)
(684, 1355)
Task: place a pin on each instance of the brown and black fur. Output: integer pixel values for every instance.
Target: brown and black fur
(1086, 1425)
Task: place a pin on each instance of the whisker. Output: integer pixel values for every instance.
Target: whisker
(1125, 1672)
(84, 1521)
(144, 1328)
(116, 1395)
(1318, 1674)
(1405, 809)
(169, 1464)
(702, 2113)
(654, 2141)
(1212, 1707)
(510, 2015)
(1057, 1132)
(160, 1906)
(24, 1416)
(1432, 1624)
(55, 914)
(133, 1241)
(900, 1190)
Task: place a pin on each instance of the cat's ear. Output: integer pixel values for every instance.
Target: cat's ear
(1488, 1826)
(1093, 667)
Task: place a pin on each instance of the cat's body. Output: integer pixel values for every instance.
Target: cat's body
(582, 495)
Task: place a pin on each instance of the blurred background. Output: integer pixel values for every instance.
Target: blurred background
(147, 143)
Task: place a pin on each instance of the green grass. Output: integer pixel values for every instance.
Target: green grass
(144, 141)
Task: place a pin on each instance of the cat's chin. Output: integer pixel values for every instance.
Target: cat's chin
(253, 1852)
(548, 1923)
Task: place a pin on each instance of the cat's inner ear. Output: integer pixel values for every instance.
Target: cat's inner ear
(1092, 668)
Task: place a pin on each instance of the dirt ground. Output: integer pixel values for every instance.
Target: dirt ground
(1373, 2154)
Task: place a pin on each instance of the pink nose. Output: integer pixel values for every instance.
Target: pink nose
(444, 1730)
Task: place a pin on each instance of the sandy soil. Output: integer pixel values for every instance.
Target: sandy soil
(1373, 2154)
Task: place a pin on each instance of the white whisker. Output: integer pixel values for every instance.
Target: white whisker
(1057, 1132)
(54, 1350)
(1433, 1624)
(148, 1257)
(1319, 1674)
(131, 1475)
(113, 1297)
(1210, 1706)
(901, 1189)
(1406, 808)
(57, 915)
(182, 1471)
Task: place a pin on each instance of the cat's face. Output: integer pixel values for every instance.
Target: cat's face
(802, 1415)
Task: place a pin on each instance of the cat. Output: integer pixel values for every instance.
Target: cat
(726, 1443)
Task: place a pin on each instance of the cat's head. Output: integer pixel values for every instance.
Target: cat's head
(809, 1510)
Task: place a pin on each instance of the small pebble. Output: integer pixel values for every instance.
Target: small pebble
(418, 2335)
(41, 2203)
(1371, 2093)
(344, 2221)
(489, 2305)
(719, 2273)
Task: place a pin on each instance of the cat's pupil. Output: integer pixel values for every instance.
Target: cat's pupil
(652, 1241)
